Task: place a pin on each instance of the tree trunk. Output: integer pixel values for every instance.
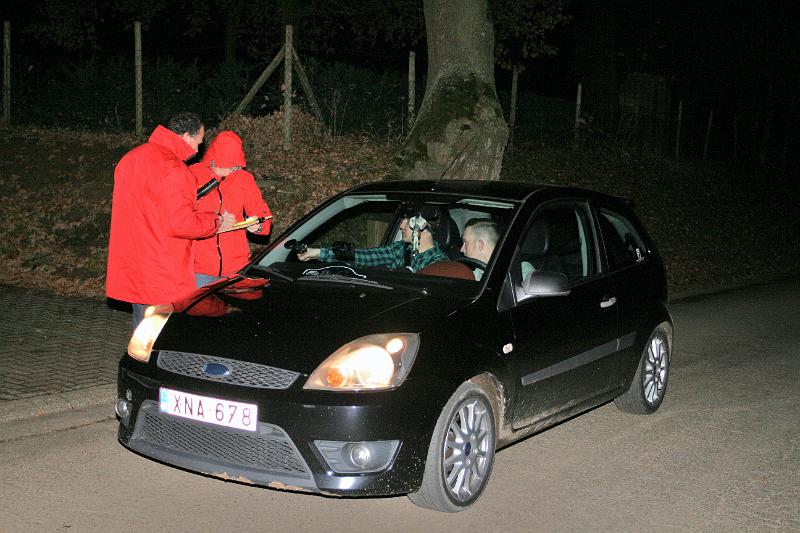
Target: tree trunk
(460, 132)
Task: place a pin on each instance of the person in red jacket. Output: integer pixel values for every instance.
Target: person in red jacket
(155, 218)
(226, 253)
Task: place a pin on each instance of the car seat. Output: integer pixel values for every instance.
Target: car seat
(536, 244)
(564, 250)
(446, 234)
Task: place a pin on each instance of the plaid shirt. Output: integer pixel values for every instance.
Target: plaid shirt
(391, 256)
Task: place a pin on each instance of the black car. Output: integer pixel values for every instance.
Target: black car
(352, 380)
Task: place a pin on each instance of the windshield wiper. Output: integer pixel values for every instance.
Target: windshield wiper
(273, 271)
(333, 270)
(340, 274)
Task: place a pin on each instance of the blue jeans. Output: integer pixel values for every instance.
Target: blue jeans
(204, 279)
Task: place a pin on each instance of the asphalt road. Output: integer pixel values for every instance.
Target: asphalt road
(720, 455)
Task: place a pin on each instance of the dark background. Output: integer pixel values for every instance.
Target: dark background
(637, 62)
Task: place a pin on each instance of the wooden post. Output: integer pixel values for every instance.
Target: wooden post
(678, 129)
(512, 114)
(578, 112)
(287, 91)
(137, 61)
(7, 73)
(412, 88)
(260, 81)
(708, 134)
(301, 73)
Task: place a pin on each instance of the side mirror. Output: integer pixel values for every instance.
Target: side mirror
(544, 283)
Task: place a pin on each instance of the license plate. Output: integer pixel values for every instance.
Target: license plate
(207, 409)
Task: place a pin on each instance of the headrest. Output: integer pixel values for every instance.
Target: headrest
(537, 242)
(447, 236)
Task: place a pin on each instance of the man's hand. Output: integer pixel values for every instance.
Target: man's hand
(227, 221)
(310, 253)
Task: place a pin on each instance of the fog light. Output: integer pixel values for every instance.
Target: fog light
(123, 409)
(357, 457)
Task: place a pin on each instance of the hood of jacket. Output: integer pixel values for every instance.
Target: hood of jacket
(225, 151)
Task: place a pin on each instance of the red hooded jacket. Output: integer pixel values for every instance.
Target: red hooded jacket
(226, 253)
(154, 218)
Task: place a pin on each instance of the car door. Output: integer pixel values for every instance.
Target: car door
(634, 277)
(564, 344)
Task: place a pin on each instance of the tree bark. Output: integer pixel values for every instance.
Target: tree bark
(460, 132)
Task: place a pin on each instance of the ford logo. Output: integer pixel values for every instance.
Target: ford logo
(216, 370)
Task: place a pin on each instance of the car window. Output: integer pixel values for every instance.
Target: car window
(364, 225)
(366, 222)
(559, 239)
(624, 245)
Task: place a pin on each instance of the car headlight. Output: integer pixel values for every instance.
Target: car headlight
(147, 331)
(374, 362)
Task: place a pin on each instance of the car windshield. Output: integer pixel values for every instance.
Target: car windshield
(360, 238)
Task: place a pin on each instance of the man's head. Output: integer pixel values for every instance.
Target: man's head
(189, 127)
(480, 237)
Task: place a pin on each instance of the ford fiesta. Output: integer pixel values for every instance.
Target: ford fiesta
(344, 379)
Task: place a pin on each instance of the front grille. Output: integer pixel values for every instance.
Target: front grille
(241, 372)
(268, 449)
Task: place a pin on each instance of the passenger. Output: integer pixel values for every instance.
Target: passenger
(226, 253)
(479, 237)
(415, 251)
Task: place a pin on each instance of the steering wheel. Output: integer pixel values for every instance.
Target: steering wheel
(472, 263)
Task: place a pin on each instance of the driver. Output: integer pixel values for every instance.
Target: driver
(417, 250)
(479, 237)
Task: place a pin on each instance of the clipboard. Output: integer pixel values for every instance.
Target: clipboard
(249, 221)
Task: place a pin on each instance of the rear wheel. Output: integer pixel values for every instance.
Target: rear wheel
(649, 385)
(461, 453)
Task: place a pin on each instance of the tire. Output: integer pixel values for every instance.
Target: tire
(461, 452)
(649, 384)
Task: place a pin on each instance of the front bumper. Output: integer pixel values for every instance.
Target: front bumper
(281, 452)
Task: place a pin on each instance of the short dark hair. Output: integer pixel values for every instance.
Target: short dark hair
(185, 123)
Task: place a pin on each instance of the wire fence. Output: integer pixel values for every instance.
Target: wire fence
(369, 96)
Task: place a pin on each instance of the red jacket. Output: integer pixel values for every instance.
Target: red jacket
(226, 253)
(154, 218)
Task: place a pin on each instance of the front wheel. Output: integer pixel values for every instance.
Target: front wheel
(649, 385)
(461, 453)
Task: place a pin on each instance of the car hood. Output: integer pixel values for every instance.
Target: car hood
(296, 325)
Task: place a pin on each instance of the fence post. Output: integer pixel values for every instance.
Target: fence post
(260, 81)
(137, 61)
(708, 133)
(512, 114)
(7, 73)
(578, 98)
(412, 87)
(678, 129)
(312, 100)
(287, 90)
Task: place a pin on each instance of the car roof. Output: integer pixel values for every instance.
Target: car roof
(500, 190)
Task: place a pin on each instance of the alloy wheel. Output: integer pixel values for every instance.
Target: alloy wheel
(654, 377)
(468, 449)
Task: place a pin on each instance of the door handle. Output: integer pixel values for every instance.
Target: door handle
(608, 301)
